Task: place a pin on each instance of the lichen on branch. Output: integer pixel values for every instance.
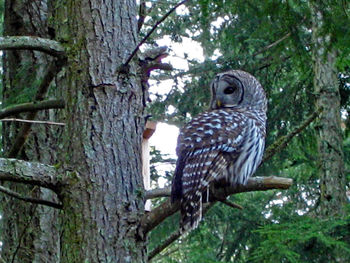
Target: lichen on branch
(32, 173)
(48, 46)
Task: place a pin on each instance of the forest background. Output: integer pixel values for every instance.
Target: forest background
(300, 52)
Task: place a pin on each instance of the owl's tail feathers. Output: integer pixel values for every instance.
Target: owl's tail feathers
(191, 213)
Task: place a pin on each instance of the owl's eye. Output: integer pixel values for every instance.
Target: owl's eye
(229, 90)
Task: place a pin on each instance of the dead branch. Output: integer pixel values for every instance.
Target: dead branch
(32, 173)
(174, 236)
(272, 44)
(22, 135)
(282, 142)
(231, 204)
(151, 31)
(30, 199)
(156, 216)
(47, 46)
(31, 106)
(34, 122)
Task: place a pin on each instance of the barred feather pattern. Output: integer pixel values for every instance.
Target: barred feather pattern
(222, 143)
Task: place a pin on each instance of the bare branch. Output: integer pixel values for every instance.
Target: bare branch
(30, 199)
(22, 135)
(31, 106)
(282, 142)
(174, 236)
(151, 31)
(231, 204)
(28, 173)
(156, 216)
(47, 46)
(34, 122)
(272, 44)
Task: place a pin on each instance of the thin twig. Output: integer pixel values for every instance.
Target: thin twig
(30, 199)
(31, 106)
(151, 31)
(36, 122)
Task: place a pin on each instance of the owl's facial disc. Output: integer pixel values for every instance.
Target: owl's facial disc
(229, 92)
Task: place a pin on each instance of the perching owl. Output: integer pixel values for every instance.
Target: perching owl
(224, 143)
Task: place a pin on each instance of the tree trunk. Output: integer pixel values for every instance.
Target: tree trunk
(102, 204)
(330, 140)
(100, 151)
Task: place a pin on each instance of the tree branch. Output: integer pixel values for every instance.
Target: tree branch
(47, 46)
(31, 106)
(151, 31)
(272, 44)
(30, 199)
(22, 135)
(166, 209)
(174, 236)
(32, 173)
(282, 142)
(156, 216)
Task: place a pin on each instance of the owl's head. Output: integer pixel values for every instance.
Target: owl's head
(237, 88)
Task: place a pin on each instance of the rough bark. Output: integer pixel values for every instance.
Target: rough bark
(104, 125)
(330, 139)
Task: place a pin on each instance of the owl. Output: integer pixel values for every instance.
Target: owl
(225, 143)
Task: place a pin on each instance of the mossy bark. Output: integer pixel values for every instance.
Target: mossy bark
(330, 138)
(102, 209)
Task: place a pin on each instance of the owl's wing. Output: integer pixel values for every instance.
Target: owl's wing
(202, 145)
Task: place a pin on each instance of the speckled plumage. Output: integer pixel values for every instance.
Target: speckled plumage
(226, 141)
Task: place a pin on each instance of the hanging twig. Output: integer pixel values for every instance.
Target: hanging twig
(151, 31)
(36, 122)
(31, 106)
(29, 199)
